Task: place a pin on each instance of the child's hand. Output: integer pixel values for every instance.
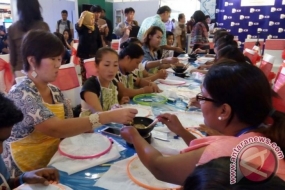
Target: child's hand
(125, 100)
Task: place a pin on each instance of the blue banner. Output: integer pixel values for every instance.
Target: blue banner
(250, 18)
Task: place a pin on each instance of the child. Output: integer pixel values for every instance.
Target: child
(99, 92)
(9, 110)
(170, 41)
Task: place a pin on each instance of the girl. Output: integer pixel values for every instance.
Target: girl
(99, 92)
(126, 80)
(68, 39)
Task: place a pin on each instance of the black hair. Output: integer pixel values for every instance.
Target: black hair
(199, 16)
(69, 33)
(150, 32)
(163, 9)
(103, 10)
(129, 10)
(64, 11)
(129, 41)
(101, 52)
(180, 16)
(10, 114)
(246, 90)
(61, 37)
(96, 9)
(216, 175)
(207, 16)
(134, 51)
(228, 48)
(40, 44)
(2, 28)
(168, 33)
(29, 12)
(219, 33)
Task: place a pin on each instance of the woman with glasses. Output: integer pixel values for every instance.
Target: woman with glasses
(235, 100)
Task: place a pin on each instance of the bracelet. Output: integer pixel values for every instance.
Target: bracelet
(94, 120)
(21, 178)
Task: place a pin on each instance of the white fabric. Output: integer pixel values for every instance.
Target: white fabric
(43, 187)
(63, 163)
(2, 81)
(5, 57)
(73, 96)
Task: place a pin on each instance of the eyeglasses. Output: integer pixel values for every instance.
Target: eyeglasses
(202, 99)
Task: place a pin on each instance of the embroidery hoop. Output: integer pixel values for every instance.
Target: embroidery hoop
(137, 182)
(89, 156)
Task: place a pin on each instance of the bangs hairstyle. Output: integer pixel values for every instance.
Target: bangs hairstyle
(151, 32)
(101, 52)
(40, 44)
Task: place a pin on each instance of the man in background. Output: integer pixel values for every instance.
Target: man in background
(108, 38)
(64, 23)
(190, 24)
(4, 45)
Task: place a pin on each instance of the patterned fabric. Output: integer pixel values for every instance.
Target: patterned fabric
(199, 35)
(167, 53)
(26, 97)
(149, 22)
(82, 71)
(139, 71)
(148, 57)
(109, 97)
(208, 7)
(180, 30)
(128, 80)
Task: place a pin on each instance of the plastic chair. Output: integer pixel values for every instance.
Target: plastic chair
(115, 44)
(275, 48)
(252, 55)
(249, 43)
(67, 81)
(6, 74)
(279, 86)
(267, 65)
(279, 70)
(89, 65)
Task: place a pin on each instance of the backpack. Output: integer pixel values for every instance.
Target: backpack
(68, 24)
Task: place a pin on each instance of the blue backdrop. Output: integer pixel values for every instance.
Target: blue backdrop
(242, 21)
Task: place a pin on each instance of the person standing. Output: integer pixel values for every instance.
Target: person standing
(169, 26)
(180, 32)
(100, 23)
(163, 15)
(64, 24)
(89, 39)
(108, 38)
(190, 24)
(30, 18)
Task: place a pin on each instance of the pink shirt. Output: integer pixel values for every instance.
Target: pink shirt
(222, 146)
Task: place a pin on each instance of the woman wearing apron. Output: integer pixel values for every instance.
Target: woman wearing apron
(34, 141)
(99, 92)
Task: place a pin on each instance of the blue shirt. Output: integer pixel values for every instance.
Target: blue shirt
(3, 171)
(149, 22)
(148, 57)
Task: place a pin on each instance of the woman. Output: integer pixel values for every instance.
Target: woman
(152, 39)
(30, 18)
(126, 80)
(180, 32)
(199, 34)
(47, 115)
(68, 39)
(89, 39)
(141, 72)
(235, 100)
(99, 92)
(66, 54)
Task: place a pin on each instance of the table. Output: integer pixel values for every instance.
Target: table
(83, 180)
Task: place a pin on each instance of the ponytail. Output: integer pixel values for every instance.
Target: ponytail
(134, 51)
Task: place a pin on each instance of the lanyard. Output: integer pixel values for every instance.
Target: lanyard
(245, 130)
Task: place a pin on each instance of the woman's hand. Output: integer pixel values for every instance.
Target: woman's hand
(123, 115)
(129, 133)
(179, 50)
(153, 88)
(170, 60)
(43, 176)
(194, 102)
(162, 74)
(172, 122)
(198, 50)
(125, 100)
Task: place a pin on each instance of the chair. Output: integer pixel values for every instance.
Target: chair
(89, 65)
(6, 74)
(67, 81)
(115, 45)
(275, 48)
(249, 43)
(279, 70)
(267, 65)
(252, 55)
(279, 86)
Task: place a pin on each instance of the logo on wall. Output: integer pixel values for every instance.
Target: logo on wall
(273, 9)
(236, 10)
(253, 23)
(271, 23)
(282, 16)
(280, 30)
(234, 24)
(261, 30)
(228, 4)
(241, 17)
(240, 30)
(227, 17)
(252, 10)
(220, 11)
(263, 16)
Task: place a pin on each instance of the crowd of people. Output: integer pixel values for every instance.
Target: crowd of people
(235, 99)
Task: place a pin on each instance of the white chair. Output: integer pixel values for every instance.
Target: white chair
(252, 55)
(90, 68)
(6, 74)
(67, 81)
(5, 57)
(275, 48)
(75, 59)
(115, 44)
(267, 65)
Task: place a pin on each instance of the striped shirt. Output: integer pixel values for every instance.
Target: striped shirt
(128, 80)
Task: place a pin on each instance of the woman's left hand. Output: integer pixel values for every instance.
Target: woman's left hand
(43, 176)
(129, 133)
(155, 88)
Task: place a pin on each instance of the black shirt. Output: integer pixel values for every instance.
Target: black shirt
(110, 26)
(91, 85)
(89, 41)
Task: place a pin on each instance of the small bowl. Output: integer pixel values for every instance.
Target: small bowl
(179, 69)
(147, 138)
(182, 75)
(145, 121)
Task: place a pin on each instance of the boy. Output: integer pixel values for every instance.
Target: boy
(9, 116)
(170, 41)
